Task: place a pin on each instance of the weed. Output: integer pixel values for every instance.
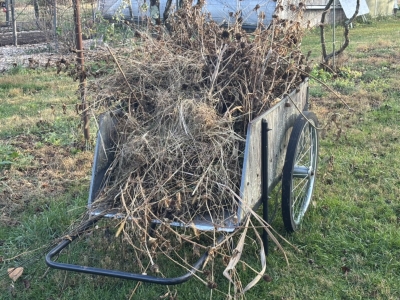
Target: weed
(377, 85)
(369, 76)
(14, 92)
(7, 157)
(348, 73)
(17, 69)
(318, 91)
(321, 75)
(10, 156)
(344, 85)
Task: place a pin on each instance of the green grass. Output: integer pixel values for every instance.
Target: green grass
(32, 103)
(362, 36)
(11, 157)
(347, 248)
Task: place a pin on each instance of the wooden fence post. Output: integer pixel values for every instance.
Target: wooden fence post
(81, 68)
(14, 23)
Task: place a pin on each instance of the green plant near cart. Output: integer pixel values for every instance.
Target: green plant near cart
(10, 156)
(320, 74)
(347, 72)
(7, 157)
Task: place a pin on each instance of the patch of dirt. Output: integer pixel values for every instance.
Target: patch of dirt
(35, 54)
(53, 171)
(24, 38)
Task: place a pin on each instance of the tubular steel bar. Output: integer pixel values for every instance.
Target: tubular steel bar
(115, 273)
(264, 178)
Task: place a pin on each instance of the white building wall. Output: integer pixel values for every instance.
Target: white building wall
(219, 9)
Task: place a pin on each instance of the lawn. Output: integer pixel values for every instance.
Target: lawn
(347, 248)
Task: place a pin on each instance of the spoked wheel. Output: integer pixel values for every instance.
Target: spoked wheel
(299, 170)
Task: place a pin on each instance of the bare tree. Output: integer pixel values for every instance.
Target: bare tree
(325, 56)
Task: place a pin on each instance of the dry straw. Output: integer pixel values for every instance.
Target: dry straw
(184, 97)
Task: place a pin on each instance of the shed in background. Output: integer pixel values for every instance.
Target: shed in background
(342, 10)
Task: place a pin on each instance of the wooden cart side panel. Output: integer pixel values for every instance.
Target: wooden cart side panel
(280, 120)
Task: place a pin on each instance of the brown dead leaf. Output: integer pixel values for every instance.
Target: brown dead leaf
(15, 273)
(173, 296)
(196, 250)
(207, 273)
(212, 285)
(267, 278)
(195, 230)
(346, 269)
(155, 268)
(27, 284)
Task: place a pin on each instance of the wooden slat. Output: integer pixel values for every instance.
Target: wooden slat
(280, 120)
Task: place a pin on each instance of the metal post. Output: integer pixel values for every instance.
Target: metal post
(14, 23)
(7, 12)
(55, 25)
(94, 12)
(81, 64)
(264, 178)
(334, 34)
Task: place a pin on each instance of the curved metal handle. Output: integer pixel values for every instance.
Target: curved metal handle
(115, 273)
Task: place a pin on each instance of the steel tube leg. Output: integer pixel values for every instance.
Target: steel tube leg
(264, 178)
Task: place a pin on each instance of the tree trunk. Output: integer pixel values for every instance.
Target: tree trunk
(37, 14)
(36, 8)
(326, 57)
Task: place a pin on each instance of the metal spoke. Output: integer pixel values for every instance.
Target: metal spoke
(294, 202)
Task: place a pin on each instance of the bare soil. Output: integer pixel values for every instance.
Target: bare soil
(24, 38)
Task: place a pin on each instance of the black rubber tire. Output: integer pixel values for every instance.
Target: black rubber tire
(299, 170)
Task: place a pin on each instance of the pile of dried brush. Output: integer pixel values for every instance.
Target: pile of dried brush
(185, 97)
